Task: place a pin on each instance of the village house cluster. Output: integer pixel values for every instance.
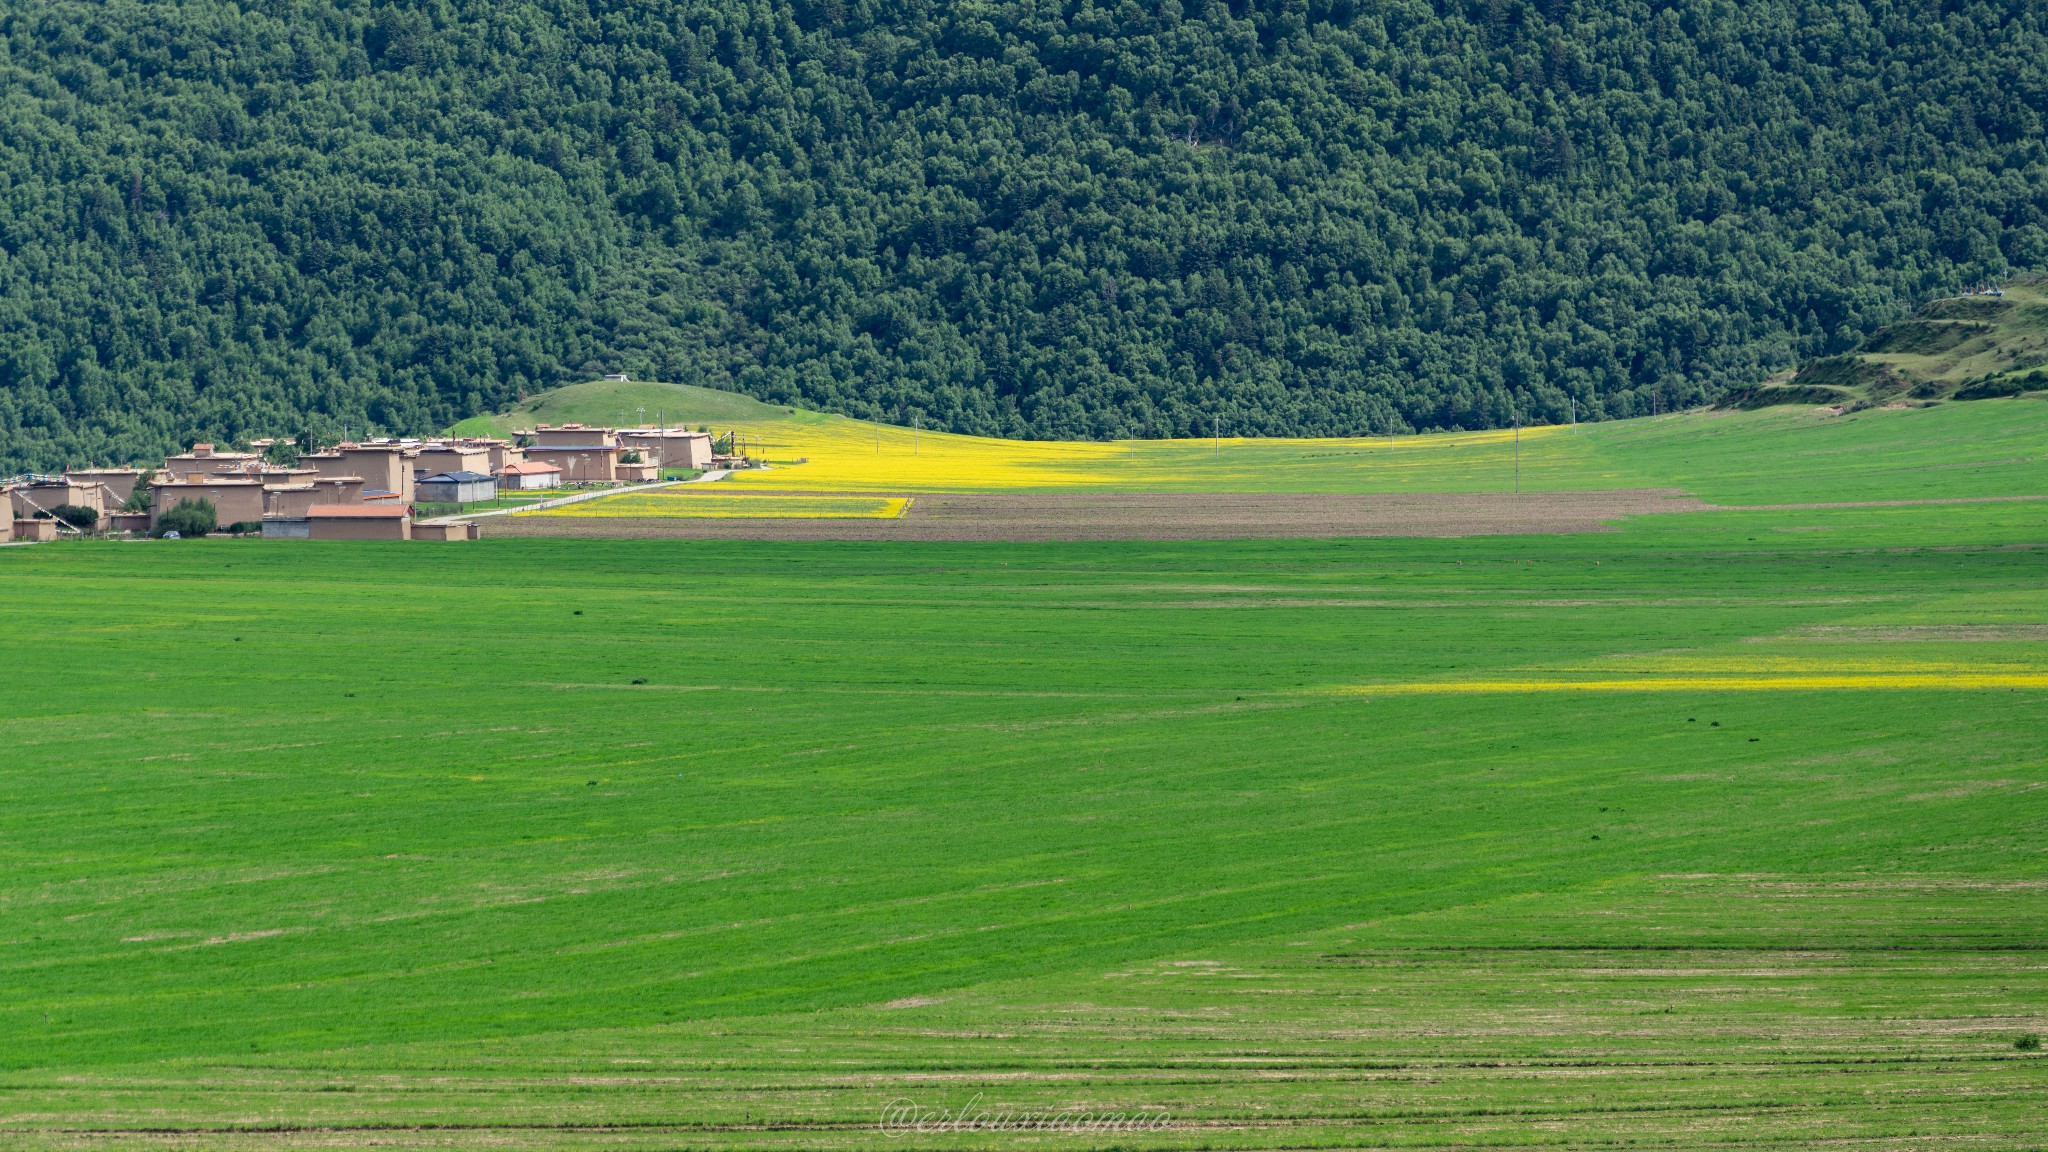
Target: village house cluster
(372, 490)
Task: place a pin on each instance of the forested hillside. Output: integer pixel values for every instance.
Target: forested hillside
(1058, 219)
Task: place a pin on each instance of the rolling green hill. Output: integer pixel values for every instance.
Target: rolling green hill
(622, 403)
(222, 220)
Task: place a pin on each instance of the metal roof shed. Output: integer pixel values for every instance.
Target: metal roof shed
(455, 488)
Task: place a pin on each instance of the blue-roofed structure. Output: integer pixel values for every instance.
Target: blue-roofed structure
(455, 488)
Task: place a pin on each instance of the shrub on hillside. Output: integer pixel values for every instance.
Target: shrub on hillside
(188, 518)
(77, 516)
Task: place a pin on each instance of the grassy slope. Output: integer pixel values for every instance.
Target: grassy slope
(333, 834)
(1968, 345)
(614, 404)
(1776, 455)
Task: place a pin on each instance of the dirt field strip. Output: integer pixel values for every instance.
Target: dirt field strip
(1160, 516)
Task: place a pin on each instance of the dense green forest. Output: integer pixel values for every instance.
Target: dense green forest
(1067, 218)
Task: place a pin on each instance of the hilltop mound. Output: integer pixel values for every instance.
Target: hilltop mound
(1957, 348)
(624, 402)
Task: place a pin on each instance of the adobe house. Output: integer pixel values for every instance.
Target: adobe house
(359, 522)
(6, 529)
(669, 447)
(572, 436)
(581, 464)
(456, 488)
(497, 453)
(126, 522)
(274, 474)
(636, 473)
(48, 495)
(290, 501)
(117, 484)
(34, 530)
(525, 475)
(327, 462)
(383, 468)
(459, 530)
(234, 501)
(434, 459)
(203, 458)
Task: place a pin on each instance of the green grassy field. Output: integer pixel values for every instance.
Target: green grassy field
(651, 845)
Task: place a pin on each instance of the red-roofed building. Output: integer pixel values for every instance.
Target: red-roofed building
(529, 474)
(359, 522)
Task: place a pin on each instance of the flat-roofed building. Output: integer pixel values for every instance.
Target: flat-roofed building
(326, 462)
(292, 500)
(445, 530)
(359, 522)
(581, 464)
(234, 501)
(497, 453)
(49, 494)
(33, 530)
(669, 447)
(434, 459)
(526, 475)
(572, 435)
(284, 473)
(383, 467)
(117, 484)
(204, 458)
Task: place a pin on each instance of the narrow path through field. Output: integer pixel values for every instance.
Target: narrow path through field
(593, 494)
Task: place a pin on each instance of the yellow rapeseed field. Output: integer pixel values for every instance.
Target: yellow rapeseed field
(698, 502)
(819, 453)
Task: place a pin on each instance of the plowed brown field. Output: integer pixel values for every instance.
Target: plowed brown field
(1156, 516)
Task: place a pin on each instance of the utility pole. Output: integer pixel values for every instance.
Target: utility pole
(1575, 415)
(1518, 453)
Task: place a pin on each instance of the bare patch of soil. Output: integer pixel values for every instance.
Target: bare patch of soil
(1158, 516)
